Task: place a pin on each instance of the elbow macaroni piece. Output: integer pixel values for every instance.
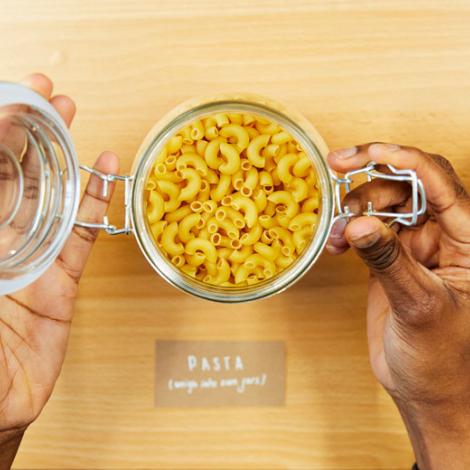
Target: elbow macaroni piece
(254, 149)
(232, 200)
(193, 186)
(237, 132)
(156, 207)
(232, 156)
(193, 160)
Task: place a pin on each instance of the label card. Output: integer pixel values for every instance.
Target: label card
(219, 373)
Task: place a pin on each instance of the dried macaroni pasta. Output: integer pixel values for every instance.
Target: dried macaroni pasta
(232, 200)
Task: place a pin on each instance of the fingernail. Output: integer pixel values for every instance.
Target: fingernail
(345, 153)
(393, 147)
(378, 149)
(26, 81)
(333, 250)
(337, 231)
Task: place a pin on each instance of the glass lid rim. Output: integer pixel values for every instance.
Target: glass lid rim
(16, 94)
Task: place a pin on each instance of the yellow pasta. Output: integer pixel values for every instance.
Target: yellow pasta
(186, 135)
(222, 189)
(211, 154)
(201, 147)
(268, 129)
(251, 237)
(311, 204)
(187, 224)
(285, 237)
(247, 207)
(284, 167)
(221, 119)
(192, 160)
(299, 189)
(224, 252)
(226, 225)
(301, 220)
(197, 130)
(238, 180)
(254, 149)
(301, 237)
(286, 199)
(252, 132)
(193, 185)
(186, 148)
(271, 150)
(178, 214)
(157, 229)
(201, 245)
(169, 243)
(302, 166)
(195, 260)
(232, 200)
(238, 133)
(232, 214)
(189, 270)
(171, 191)
(232, 157)
(266, 221)
(280, 138)
(204, 191)
(251, 179)
(267, 265)
(236, 118)
(267, 251)
(156, 207)
(223, 271)
(212, 177)
(260, 199)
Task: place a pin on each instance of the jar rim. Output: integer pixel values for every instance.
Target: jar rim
(188, 111)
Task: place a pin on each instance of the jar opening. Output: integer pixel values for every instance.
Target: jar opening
(298, 127)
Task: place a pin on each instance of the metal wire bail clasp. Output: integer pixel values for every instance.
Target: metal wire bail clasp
(106, 180)
(418, 194)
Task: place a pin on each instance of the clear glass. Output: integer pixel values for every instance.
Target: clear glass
(299, 128)
(39, 186)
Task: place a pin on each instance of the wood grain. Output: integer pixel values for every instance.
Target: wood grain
(360, 70)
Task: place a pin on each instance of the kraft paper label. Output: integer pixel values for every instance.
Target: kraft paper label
(219, 373)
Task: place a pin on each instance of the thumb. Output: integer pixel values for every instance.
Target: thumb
(93, 207)
(409, 286)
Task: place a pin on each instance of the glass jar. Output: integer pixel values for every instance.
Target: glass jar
(39, 186)
(63, 180)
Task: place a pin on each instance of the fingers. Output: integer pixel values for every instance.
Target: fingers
(65, 107)
(381, 193)
(337, 244)
(92, 209)
(15, 137)
(43, 85)
(423, 243)
(410, 288)
(444, 192)
(39, 83)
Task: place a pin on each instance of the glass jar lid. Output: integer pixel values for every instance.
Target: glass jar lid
(39, 185)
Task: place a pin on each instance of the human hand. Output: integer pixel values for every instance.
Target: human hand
(418, 315)
(35, 322)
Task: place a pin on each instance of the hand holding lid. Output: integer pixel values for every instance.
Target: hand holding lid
(35, 322)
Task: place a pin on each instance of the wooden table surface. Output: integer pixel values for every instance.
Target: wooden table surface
(389, 70)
